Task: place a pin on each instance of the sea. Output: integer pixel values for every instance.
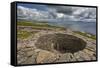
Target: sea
(89, 27)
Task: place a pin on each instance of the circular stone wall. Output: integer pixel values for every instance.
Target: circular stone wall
(60, 42)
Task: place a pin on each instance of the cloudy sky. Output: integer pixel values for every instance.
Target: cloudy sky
(55, 13)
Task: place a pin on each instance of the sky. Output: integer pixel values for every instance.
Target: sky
(55, 13)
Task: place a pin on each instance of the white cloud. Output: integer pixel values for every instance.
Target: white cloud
(60, 15)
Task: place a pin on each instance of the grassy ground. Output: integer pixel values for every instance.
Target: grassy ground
(86, 34)
(44, 25)
(23, 34)
(38, 25)
(35, 25)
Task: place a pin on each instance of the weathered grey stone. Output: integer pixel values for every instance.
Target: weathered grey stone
(31, 59)
(29, 53)
(84, 56)
(78, 57)
(90, 53)
(64, 58)
(72, 57)
(22, 59)
(45, 57)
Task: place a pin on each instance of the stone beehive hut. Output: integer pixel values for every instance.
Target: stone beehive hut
(60, 42)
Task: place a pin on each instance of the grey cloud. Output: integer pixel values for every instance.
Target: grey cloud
(62, 9)
(63, 13)
(54, 15)
(76, 13)
(27, 13)
(89, 14)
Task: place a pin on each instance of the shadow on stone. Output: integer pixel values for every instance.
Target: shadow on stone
(60, 42)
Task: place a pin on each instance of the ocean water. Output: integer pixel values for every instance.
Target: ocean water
(89, 27)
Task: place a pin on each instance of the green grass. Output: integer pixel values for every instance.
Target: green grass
(38, 25)
(23, 34)
(23, 23)
(35, 25)
(86, 34)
